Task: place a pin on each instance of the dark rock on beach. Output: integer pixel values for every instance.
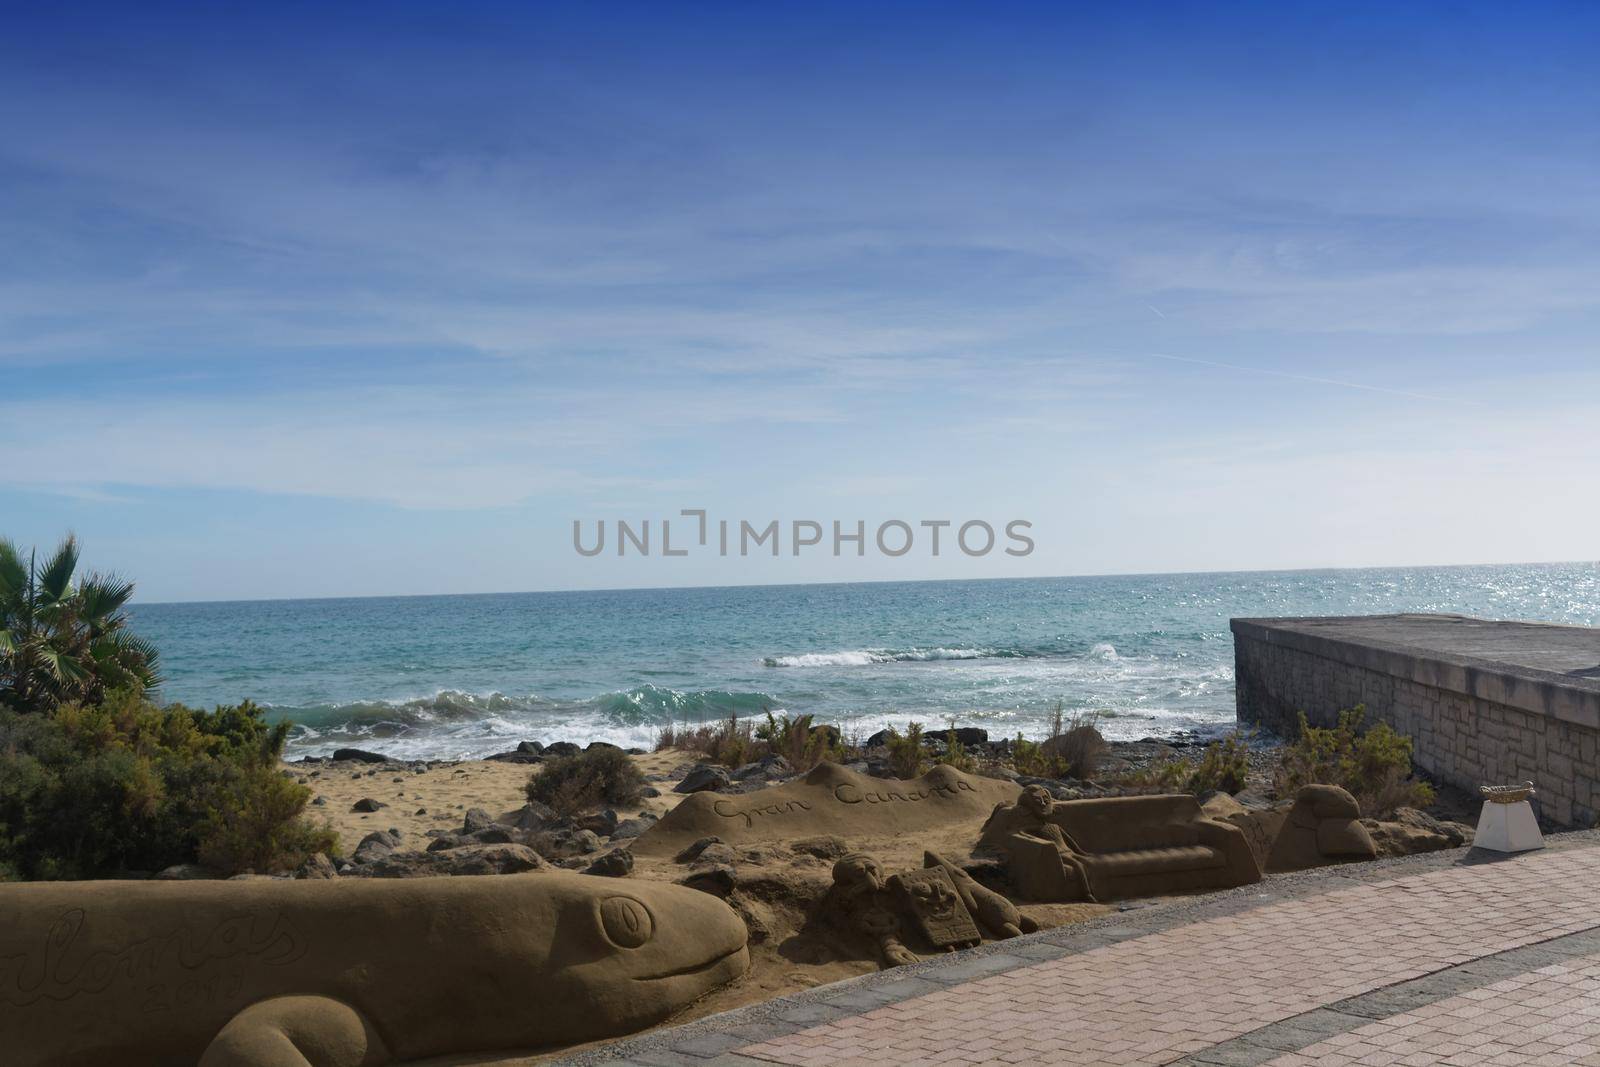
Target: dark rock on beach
(614, 864)
(367, 804)
(716, 879)
(183, 872)
(563, 844)
(359, 755)
(692, 853)
(316, 866)
(375, 846)
(629, 828)
(471, 859)
(968, 736)
(702, 777)
(771, 769)
(531, 816)
(603, 823)
(562, 748)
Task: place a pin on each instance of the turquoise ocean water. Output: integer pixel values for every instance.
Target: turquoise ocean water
(458, 676)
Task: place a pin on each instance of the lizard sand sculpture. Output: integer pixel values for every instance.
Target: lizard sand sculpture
(348, 973)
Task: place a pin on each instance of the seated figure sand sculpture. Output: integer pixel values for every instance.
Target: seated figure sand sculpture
(1323, 827)
(350, 973)
(1116, 847)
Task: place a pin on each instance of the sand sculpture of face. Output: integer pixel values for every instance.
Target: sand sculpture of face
(857, 873)
(1036, 800)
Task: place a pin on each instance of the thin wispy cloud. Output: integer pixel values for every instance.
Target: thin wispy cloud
(485, 279)
(1315, 380)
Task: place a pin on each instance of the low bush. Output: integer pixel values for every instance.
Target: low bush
(126, 786)
(906, 754)
(1170, 775)
(1074, 748)
(730, 742)
(1225, 766)
(1375, 765)
(573, 784)
(955, 754)
(734, 741)
(799, 742)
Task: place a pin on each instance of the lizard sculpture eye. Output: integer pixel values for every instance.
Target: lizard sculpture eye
(626, 922)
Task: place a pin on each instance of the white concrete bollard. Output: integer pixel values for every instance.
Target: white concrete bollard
(1507, 823)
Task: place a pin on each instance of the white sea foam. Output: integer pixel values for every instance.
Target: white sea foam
(866, 657)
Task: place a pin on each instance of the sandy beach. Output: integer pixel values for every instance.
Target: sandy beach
(436, 795)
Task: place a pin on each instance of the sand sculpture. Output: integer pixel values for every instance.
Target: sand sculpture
(939, 914)
(942, 905)
(1323, 827)
(999, 917)
(1116, 847)
(861, 902)
(349, 972)
(830, 799)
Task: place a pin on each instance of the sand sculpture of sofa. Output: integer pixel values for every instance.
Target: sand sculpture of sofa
(1118, 847)
(346, 973)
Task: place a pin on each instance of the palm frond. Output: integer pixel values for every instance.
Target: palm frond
(139, 655)
(8, 644)
(101, 596)
(56, 577)
(13, 573)
(63, 667)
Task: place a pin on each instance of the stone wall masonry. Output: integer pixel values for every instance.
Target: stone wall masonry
(1472, 721)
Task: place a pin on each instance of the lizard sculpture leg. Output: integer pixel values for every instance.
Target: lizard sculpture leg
(297, 1032)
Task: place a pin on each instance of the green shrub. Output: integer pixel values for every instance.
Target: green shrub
(905, 751)
(254, 824)
(573, 784)
(798, 741)
(1171, 775)
(1028, 758)
(91, 791)
(955, 754)
(1374, 766)
(1079, 748)
(734, 742)
(1224, 766)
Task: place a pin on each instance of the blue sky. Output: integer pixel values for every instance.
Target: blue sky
(300, 301)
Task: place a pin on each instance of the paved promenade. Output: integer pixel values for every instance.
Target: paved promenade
(1435, 960)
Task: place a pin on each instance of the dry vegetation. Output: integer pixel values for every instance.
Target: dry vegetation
(570, 785)
(734, 741)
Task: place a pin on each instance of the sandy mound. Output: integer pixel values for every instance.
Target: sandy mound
(830, 800)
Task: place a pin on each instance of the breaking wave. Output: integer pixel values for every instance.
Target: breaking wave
(455, 724)
(866, 657)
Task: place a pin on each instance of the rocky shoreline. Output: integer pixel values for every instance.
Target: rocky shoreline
(462, 837)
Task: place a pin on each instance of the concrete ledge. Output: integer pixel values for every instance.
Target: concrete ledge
(1389, 644)
(1482, 701)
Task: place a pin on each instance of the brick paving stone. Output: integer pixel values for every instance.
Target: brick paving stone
(1548, 1016)
(1152, 1000)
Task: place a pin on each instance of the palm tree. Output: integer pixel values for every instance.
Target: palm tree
(61, 641)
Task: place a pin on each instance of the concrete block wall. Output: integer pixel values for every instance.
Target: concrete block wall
(1471, 724)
